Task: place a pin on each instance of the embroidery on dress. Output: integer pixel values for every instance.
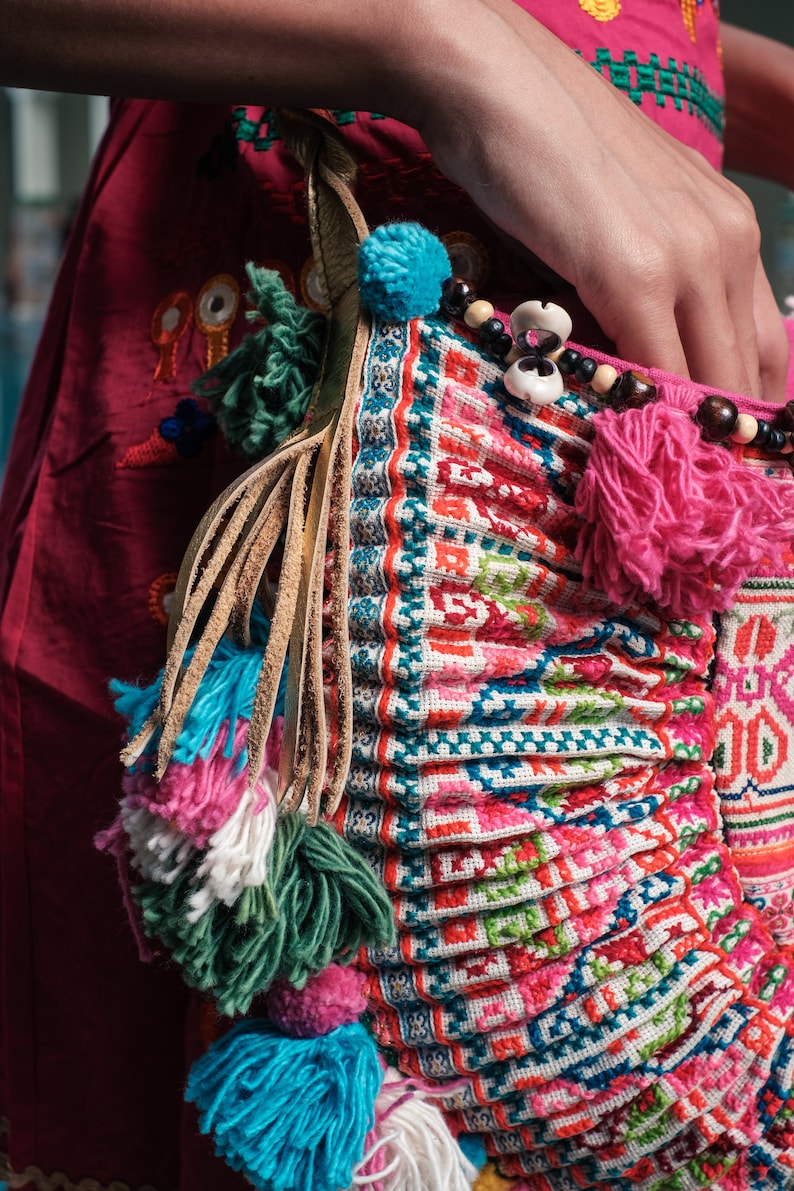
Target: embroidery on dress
(57, 1181)
(216, 307)
(257, 128)
(601, 10)
(674, 82)
(161, 597)
(181, 435)
(690, 10)
(169, 323)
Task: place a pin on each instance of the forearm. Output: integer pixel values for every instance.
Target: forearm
(352, 54)
(759, 87)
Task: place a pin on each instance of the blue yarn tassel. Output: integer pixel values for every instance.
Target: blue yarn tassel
(225, 695)
(291, 1113)
(401, 269)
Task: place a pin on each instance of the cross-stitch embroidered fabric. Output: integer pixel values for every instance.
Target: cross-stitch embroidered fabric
(531, 782)
(111, 468)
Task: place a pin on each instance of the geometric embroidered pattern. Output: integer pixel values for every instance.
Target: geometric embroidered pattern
(530, 780)
(262, 132)
(671, 82)
(754, 757)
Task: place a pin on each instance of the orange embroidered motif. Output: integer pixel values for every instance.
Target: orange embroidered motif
(161, 594)
(182, 435)
(688, 10)
(169, 323)
(216, 307)
(602, 10)
(312, 287)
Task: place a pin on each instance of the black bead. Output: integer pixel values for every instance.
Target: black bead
(490, 330)
(717, 415)
(501, 346)
(569, 361)
(585, 370)
(787, 416)
(777, 440)
(763, 434)
(456, 295)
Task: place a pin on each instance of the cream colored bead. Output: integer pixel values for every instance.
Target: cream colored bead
(603, 378)
(745, 429)
(540, 316)
(513, 355)
(478, 313)
(526, 384)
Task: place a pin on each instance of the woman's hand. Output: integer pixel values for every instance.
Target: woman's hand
(662, 250)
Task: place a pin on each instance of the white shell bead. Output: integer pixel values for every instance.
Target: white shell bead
(541, 316)
(526, 384)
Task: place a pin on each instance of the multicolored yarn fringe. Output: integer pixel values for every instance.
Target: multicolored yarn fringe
(531, 780)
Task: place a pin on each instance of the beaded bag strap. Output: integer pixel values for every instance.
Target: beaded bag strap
(301, 491)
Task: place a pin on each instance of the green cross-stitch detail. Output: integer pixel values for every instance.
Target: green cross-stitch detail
(262, 133)
(675, 1027)
(773, 982)
(517, 925)
(709, 869)
(676, 83)
(673, 1182)
(690, 786)
(718, 760)
(643, 1123)
(504, 581)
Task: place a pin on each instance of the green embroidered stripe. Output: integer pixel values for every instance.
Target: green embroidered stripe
(680, 84)
(262, 133)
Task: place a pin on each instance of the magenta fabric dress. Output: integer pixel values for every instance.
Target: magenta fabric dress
(110, 471)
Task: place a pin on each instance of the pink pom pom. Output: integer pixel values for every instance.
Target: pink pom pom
(671, 518)
(330, 999)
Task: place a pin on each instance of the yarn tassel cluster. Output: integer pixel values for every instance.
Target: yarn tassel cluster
(260, 392)
(239, 893)
(670, 518)
(302, 1100)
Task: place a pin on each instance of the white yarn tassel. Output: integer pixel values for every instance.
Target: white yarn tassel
(159, 851)
(237, 854)
(414, 1149)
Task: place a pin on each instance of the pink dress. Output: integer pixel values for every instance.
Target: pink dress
(108, 476)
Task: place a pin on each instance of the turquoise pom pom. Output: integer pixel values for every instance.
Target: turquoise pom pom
(401, 268)
(291, 1113)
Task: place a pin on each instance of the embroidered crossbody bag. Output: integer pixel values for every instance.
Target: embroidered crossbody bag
(431, 799)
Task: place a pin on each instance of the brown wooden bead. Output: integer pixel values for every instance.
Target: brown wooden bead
(717, 416)
(632, 390)
(786, 419)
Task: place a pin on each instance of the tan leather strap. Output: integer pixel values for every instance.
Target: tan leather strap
(303, 491)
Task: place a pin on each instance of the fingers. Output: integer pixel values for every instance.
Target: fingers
(773, 343)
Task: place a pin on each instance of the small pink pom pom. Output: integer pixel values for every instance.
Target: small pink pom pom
(330, 999)
(673, 519)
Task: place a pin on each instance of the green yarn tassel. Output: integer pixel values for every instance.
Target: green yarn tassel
(321, 903)
(260, 392)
